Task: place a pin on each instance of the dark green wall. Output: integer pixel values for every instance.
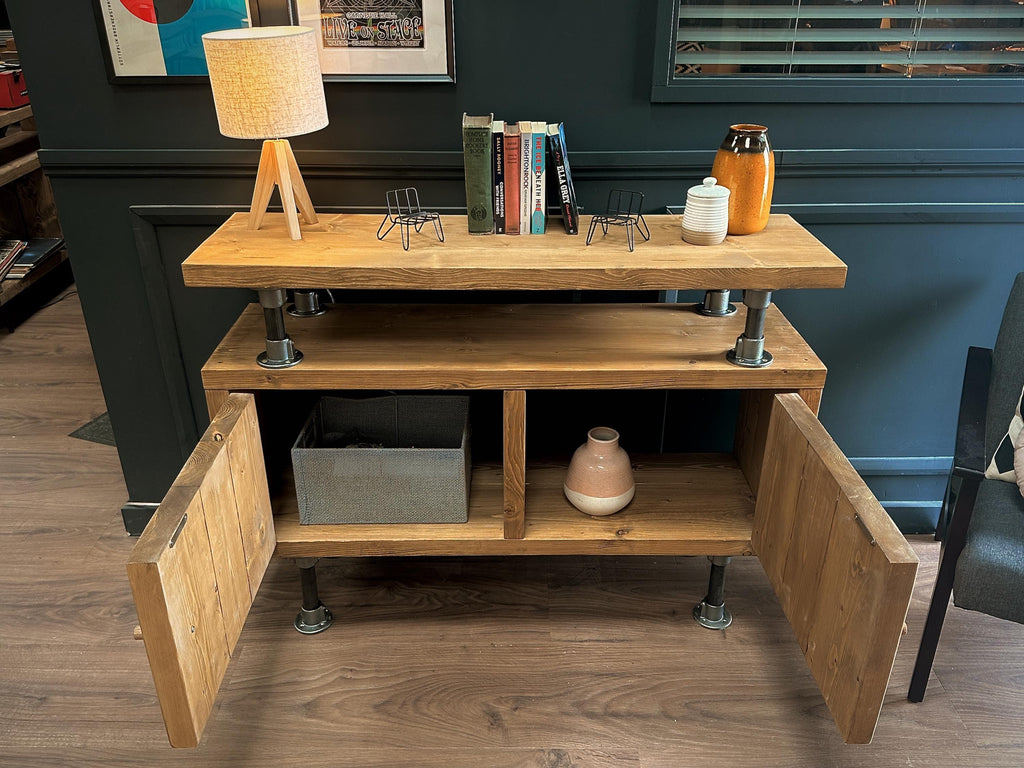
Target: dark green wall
(923, 201)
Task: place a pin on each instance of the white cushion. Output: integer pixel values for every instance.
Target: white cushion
(1018, 460)
(1006, 462)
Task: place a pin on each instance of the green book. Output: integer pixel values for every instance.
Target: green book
(476, 156)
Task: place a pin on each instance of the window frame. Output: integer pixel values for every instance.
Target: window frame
(794, 89)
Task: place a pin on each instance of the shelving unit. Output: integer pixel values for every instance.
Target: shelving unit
(27, 209)
(842, 571)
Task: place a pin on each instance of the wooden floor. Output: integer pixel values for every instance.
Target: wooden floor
(552, 662)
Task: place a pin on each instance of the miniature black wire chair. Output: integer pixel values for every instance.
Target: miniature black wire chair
(404, 210)
(623, 210)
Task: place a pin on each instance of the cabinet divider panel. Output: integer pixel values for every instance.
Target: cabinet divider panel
(514, 463)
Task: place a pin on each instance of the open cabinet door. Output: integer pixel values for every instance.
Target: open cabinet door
(841, 569)
(196, 568)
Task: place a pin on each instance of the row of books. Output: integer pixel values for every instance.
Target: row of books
(508, 168)
(19, 257)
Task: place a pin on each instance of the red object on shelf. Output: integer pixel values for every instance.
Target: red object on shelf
(13, 92)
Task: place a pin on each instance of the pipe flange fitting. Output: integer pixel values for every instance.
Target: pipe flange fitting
(712, 616)
(315, 621)
(281, 353)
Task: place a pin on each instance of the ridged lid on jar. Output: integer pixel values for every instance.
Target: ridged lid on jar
(709, 190)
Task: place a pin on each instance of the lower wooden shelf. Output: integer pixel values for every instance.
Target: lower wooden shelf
(686, 504)
(10, 288)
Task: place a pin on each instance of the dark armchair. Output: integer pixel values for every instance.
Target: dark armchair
(982, 560)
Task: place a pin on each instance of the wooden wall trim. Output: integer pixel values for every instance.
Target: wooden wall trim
(145, 220)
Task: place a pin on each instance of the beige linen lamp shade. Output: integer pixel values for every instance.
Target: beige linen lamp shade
(266, 82)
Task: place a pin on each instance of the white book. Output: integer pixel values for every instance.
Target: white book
(525, 176)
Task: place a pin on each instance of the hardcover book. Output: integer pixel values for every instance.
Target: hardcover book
(476, 157)
(538, 169)
(498, 174)
(32, 254)
(563, 178)
(525, 175)
(9, 252)
(512, 185)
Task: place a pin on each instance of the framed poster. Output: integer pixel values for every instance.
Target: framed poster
(163, 38)
(381, 40)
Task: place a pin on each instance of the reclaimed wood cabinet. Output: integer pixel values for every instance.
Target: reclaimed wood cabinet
(842, 571)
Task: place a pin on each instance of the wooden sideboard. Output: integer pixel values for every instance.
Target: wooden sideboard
(842, 571)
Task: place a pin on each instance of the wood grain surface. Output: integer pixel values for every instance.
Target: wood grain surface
(514, 462)
(342, 251)
(546, 662)
(16, 115)
(547, 346)
(685, 504)
(191, 570)
(843, 573)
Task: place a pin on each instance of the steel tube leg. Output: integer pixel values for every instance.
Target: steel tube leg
(281, 353)
(314, 616)
(711, 611)
(716, 304)
(750, 351)
(307, 304)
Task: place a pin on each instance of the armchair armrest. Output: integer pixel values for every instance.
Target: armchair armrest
(969, 452)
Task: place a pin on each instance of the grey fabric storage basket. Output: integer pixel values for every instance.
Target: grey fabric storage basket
(397, 459)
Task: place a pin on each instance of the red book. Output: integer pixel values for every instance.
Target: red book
(10, 250)
(512, 149)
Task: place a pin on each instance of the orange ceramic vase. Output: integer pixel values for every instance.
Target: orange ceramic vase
(745, 165)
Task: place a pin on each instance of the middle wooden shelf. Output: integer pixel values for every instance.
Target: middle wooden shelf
(513, 346)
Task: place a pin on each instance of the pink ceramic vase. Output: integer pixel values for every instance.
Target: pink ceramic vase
(600, 477)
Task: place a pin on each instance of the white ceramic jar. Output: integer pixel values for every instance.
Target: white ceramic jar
(706, 217)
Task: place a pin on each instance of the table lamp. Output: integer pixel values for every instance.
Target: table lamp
(267, 85)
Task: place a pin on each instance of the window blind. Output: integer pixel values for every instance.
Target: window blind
(837, 37)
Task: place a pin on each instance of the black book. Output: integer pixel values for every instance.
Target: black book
(498, 173)
(37, 251)
(563, 178)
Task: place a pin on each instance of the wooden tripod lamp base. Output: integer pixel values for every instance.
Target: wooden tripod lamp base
(278, 168)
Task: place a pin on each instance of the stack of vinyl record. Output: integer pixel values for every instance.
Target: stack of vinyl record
(706, 217)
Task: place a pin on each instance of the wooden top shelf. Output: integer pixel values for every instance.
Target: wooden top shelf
(520, 346)
(666, 518)
(342, 251)
(16, 115)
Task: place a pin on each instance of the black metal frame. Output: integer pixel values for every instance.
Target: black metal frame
(615, 214)
(411, 215)
(968, 471)
(285, 12)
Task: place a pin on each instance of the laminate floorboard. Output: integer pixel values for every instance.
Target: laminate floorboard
(540, 662)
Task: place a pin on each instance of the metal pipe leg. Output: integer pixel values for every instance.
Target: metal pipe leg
(716, 304)
(750, 351)
(711, 612)
(314, 616)
(307, 304)
(281, 353)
